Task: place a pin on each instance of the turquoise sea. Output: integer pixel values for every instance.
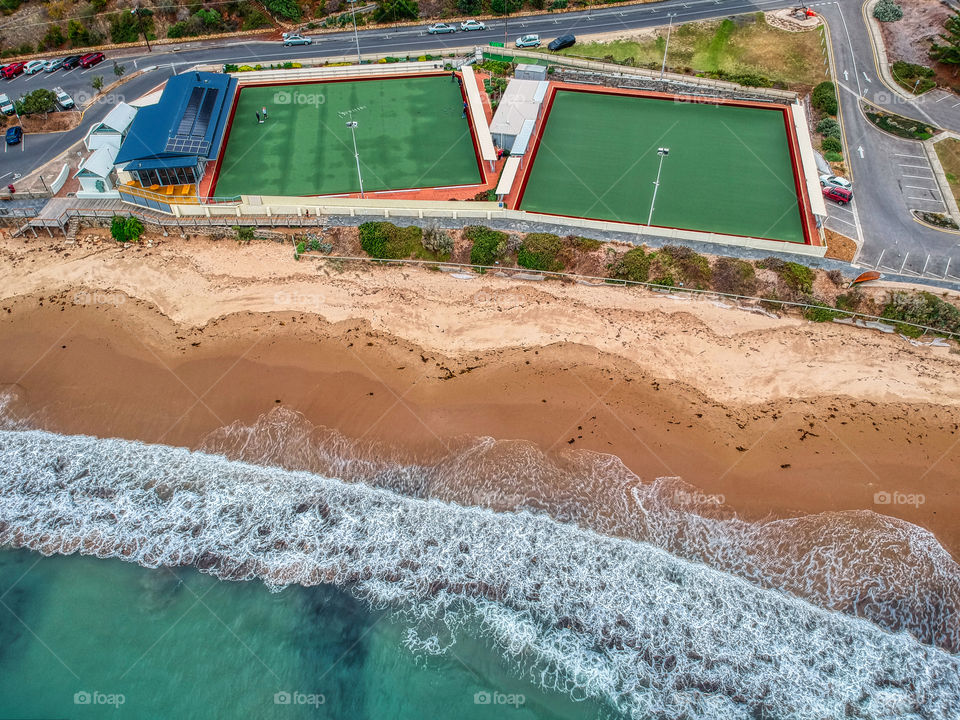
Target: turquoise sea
(89, 638)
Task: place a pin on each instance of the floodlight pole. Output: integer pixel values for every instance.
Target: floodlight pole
(666, 47)
(353, 131)
(662, 152)
(356, 37)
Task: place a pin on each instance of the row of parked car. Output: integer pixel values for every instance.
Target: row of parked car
(12, 70)
(836, 188)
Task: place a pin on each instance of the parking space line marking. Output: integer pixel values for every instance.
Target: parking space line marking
(947, 269)
(845, 222)
(925, 264)
(879, 259)
(910, 156)
(904, 262)
(920, 167)
(918, 177)
(911, 197)
(921, 187)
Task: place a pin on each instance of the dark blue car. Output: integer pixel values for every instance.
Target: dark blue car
(14, 135)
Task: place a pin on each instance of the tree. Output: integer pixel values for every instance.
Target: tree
(54, 38)
(949, 51)
(36, 102)
(393, 10)
(97, 82)
(78, 34)
(119, 70)
(284, 8)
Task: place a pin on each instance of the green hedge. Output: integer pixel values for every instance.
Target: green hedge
(923, 309)
(831, 144)
(634, 265)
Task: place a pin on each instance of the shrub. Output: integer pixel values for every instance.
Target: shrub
(245, 234)
(125, 26)
(820, 312)
(828, 127)
(849, 301)
(831, 144)
(255, 19)
(824, 97)
(437, 241)
(887, 11)
(692, 267)
(126, 229)
(734, 276)
(488, 245)
(583, 244)
(53, 39)
(833, 157)
(915, 78)
(539, 252)
(386, 240)
(795, 276)
(922, 308)
(633, 265)
(284, 8)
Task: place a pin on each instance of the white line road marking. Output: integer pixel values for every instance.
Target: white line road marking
(866, 78)
(918, 177)
(910, 156)
(941, 99)
(927, 262)
(845, 222)
(919, 167)
(947, 269)
(5, 174)
(880, 259)
(911, 197)
(904, 262)
(860, 150)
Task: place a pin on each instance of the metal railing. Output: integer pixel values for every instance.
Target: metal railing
(756, 301)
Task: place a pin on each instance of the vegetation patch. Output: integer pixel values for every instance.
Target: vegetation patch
(948, 150)
(797, 277)
(743, 49)
(922, 308)
(887, 11)
(936, 219)
(899, 125)
(824, 98)
(915, 78)
(489, 246)
(540, 251)
(734, 276)
(388, 241)
(634, 265)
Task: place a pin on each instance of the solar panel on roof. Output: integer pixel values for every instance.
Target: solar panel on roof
(206, 110)
(187, 145)
(190, 113)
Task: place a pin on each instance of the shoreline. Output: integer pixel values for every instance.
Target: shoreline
(780, 416)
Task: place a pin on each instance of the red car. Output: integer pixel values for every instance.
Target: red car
(838, 194)
(91, 59)
(12, 70)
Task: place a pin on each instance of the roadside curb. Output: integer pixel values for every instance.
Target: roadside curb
(880, 52)
(949, 201)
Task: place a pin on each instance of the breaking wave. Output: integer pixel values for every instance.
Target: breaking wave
(611, 618)
(880, 568)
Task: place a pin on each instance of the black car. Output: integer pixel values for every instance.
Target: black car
(564, 41)
(71, 62)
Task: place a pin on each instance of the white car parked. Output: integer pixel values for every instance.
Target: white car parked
(836, 181)
(63, 100)
(6, 107)
(34, 66)
(472, 25)
(528, 41)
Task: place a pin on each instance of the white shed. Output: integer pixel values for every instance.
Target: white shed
(96, 176)
(112, 129)
(521, 101)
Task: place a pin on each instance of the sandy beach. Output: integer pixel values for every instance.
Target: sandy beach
(781, 416)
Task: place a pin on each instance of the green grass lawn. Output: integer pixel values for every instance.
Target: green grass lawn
(728, 171)
(410, 135)
(743, 45)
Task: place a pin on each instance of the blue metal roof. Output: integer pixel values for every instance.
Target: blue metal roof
(177, 161)
(188, 122)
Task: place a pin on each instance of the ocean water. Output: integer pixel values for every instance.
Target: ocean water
(395, 590)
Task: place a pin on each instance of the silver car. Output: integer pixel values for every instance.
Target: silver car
(54, 64)
(439, 28)
(297, 40)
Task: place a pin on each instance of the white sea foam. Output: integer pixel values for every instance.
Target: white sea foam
(865, 564)
(610, 618)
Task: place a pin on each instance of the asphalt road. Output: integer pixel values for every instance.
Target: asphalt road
(889, 173)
